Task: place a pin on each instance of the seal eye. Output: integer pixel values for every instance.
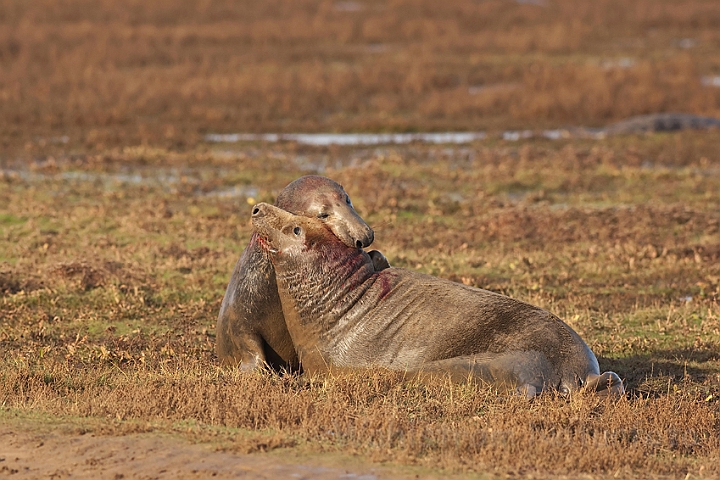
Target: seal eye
(323, 216)
(347, 200)
(297, 231)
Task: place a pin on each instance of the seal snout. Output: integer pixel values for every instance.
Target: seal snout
(262, 210)
(262, 217)
(366, 238)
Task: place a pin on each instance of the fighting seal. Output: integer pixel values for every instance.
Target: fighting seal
(342, 313)
(251, 329)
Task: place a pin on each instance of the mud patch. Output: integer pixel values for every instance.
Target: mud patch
(30, 454)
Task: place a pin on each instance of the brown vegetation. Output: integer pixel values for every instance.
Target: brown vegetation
(119, 226)
(384, 417)
(110, 290)
(118, 74)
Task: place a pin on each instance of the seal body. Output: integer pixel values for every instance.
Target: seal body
(342, 313)
(251, 328)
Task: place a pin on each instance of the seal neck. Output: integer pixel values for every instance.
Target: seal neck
(318, 286)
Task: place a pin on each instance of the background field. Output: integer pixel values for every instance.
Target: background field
(114, 73)
(119, 225)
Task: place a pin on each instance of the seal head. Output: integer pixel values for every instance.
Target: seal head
(251, 328)
(326, 200)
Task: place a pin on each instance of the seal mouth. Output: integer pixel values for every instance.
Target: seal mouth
(265, 246)
(264, 231)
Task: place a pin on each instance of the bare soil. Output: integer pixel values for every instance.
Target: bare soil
(27, 453)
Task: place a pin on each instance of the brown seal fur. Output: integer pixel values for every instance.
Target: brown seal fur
(342, 313)
(251, 328)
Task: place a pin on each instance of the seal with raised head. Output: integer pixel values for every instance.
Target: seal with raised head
(342, 313)
(251, 328)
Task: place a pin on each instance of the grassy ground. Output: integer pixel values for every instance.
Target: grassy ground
(111, 282)
(119, 226)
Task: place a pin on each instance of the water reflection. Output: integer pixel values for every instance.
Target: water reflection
(326, 139)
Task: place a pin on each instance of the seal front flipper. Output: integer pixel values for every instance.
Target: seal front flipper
(380, 261)
(240, 348)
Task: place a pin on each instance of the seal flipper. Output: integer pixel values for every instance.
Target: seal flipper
(528, 373)
(605, 384)
(251, 352)
(379, 261)
(528, 391)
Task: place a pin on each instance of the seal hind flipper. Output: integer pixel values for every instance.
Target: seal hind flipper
(605, 384)
(528, 391)
(529, 373)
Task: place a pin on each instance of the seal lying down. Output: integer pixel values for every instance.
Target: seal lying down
(251, 329)
(343, 313)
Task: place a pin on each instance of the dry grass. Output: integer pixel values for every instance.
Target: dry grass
(111, 285)
(117, 242)
(382, 417)
(161, 73)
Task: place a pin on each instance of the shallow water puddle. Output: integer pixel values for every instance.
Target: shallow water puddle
(365, 139)
(711, 81)
(656, 122)
(326, 139)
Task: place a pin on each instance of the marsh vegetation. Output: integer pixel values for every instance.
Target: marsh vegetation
(120, 225)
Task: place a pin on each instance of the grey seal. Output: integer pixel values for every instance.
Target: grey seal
(251, 328)
(341, 313)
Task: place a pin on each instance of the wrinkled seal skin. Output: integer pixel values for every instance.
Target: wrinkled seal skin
(342, 313)
(251, 327)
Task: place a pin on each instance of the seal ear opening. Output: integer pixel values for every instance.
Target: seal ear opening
(292, 230)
